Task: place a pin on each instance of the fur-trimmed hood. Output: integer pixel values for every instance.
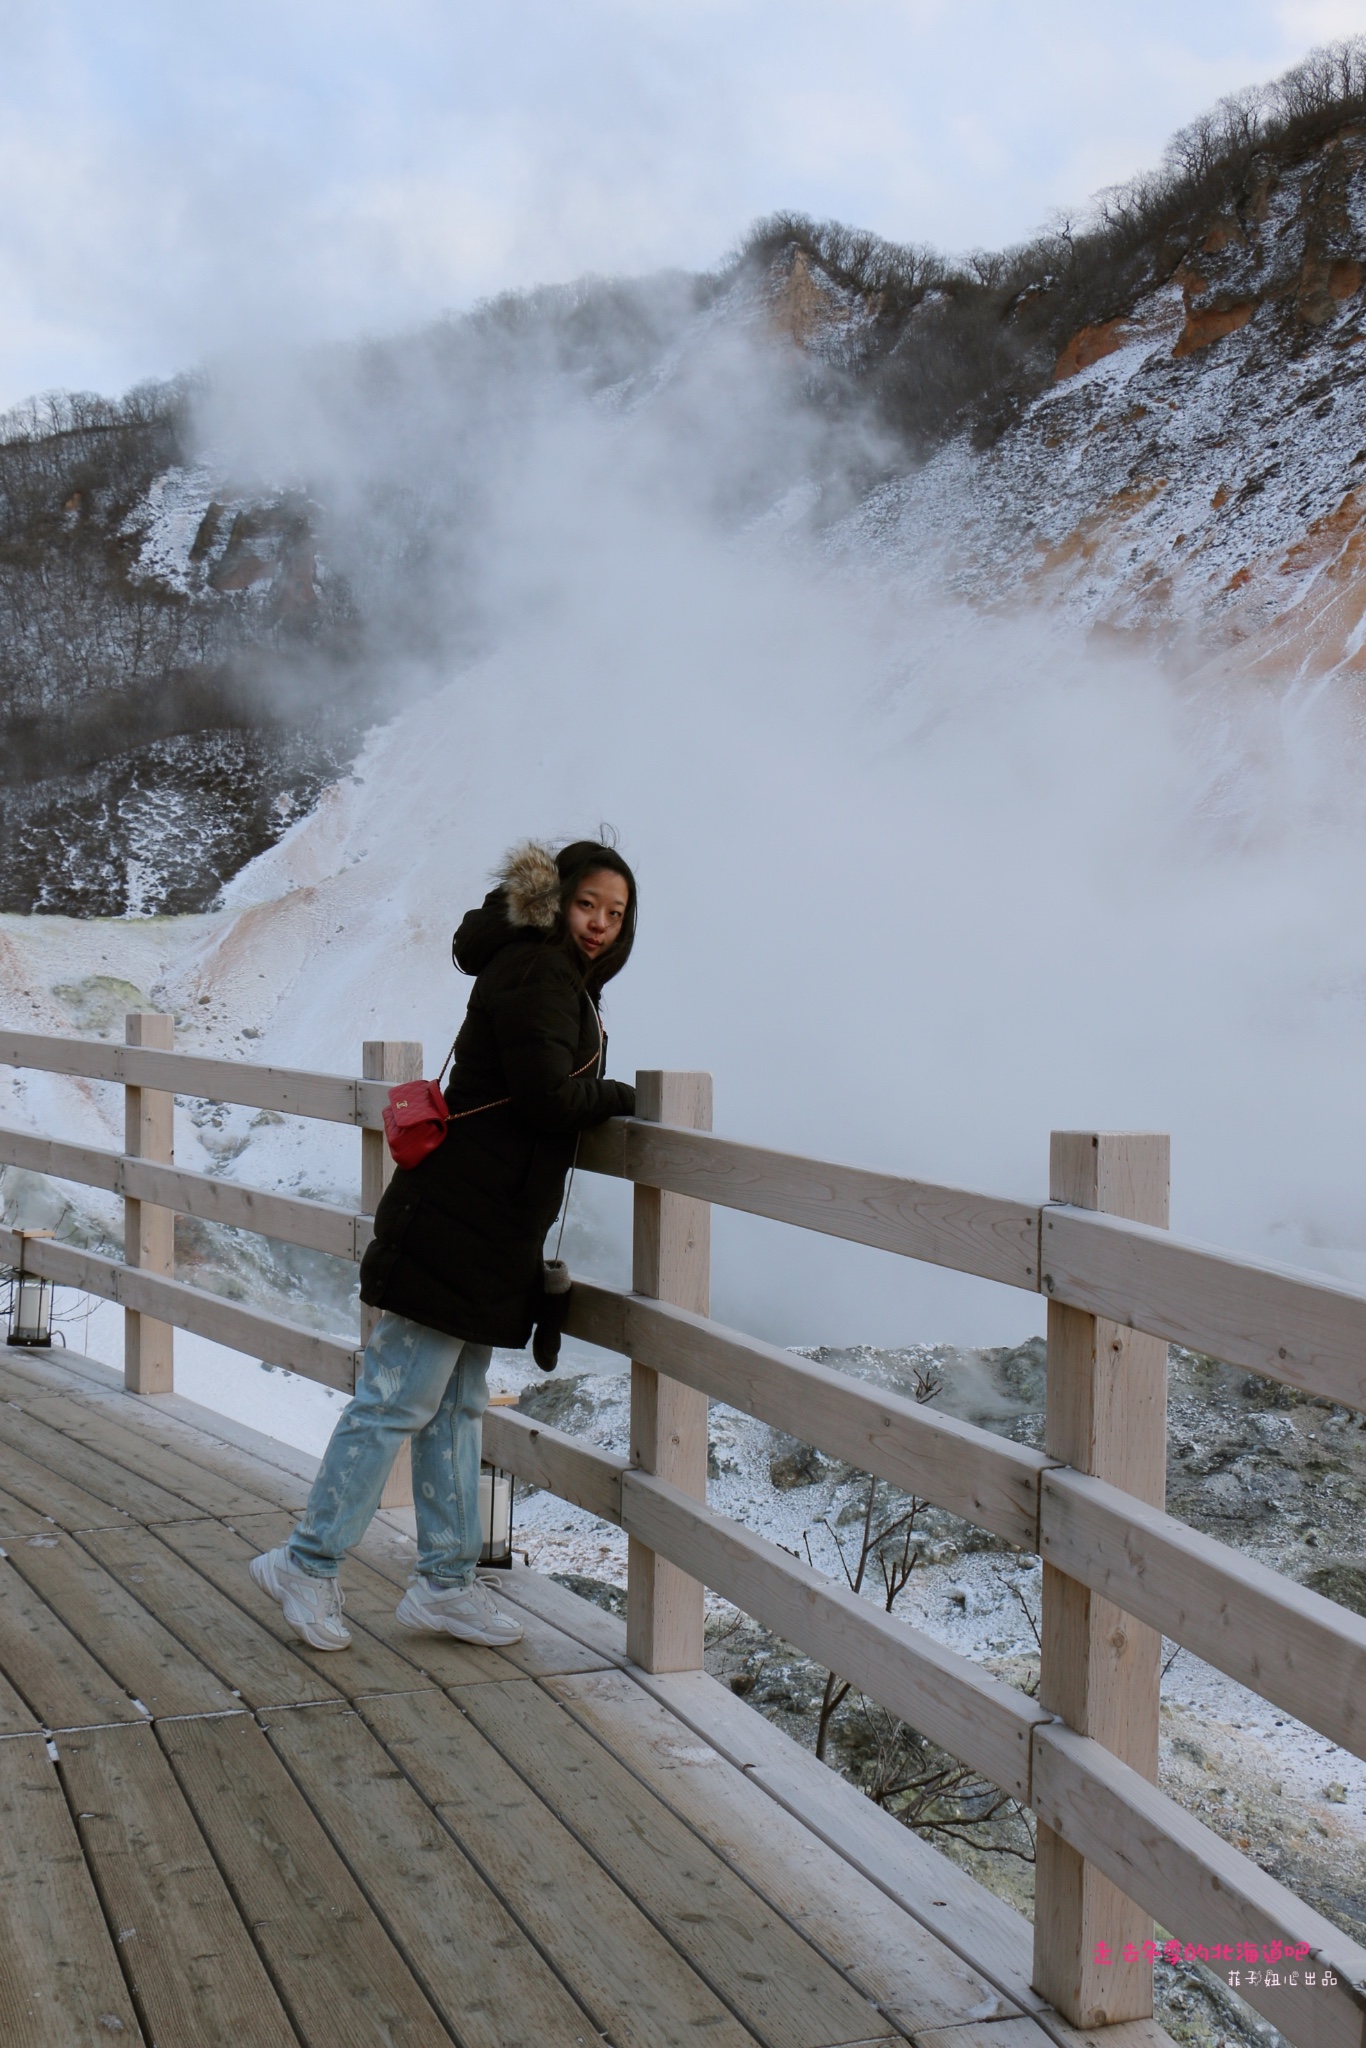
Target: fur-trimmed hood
(531, 886)
(522, 906)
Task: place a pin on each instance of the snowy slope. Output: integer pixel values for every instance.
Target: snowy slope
(1193, 477)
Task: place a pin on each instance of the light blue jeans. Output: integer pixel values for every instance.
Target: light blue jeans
(418, 1383)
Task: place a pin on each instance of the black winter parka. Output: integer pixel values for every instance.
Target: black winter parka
(459, 1238)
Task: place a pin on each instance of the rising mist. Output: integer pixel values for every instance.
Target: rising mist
(917, 884)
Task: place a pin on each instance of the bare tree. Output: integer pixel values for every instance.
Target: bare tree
(907, 1776)
(890, 1545)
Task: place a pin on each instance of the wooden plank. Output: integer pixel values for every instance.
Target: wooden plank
(206, 1440)
(1303, 1652)
(262, 1466)
(244, 1655)
(193, 1969)
(191, 1308)
(971, 1921)
(222, 1557)
(60, 1981)
(945, 1226)
(148, 1229)
(341, 1979)
(332, 1098)
(17, 1518)
(962, 1914)
(16, 1716)
(91, 1470)
(912, 1977)
(52, 1496)
(564, 1465)
(321, 1226)
(545, 1651)
(257, 1474)
(1122, 2034)
(533, 1592)
(1099, 1669)
(268, 1338)
(945, 1696)
(1291, 1326)
(639, 1990)
(772, 1979)
(1197, 1885)
(984, 1478)
(1007, 2033)
(458, 1938)
(59, 1053)
(130, 1643)
(671, 1261)
(138, 1449)
(92, 1166)
(49, 1667)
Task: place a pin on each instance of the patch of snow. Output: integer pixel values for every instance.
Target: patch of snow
(167, 522)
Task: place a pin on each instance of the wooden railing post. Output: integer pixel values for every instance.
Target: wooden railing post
(148, 1232)
(1101, 1669)
(671, 1262)
(385, 1059)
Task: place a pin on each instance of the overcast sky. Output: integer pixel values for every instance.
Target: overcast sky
(178, 178)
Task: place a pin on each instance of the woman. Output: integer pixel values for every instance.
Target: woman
(456, 1261)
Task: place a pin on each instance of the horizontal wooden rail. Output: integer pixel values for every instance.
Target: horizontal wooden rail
(563, 1465)
(984, 1478)
(320, 1226)
(1303, 1652)
(1289, 1325)
(1197, 1885)
(330, 1098)
(269, 1338)
(947, 1697)
(998, 1240)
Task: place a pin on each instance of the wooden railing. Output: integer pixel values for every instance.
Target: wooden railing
(1116, 1852)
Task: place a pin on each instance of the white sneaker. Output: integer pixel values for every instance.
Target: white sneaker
(464, 1611)
(312, 1605)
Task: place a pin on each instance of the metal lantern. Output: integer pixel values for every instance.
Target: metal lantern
(495, 1516)
(30, 1302)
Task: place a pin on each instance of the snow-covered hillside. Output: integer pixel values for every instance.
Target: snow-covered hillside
(1193, 475)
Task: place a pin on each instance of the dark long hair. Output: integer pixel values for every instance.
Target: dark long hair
(587, 857)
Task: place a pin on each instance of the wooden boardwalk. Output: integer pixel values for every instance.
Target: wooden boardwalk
(211, 1834)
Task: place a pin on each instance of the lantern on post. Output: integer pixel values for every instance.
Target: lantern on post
(495, 1505)
(495, 1516)
(30, 1301)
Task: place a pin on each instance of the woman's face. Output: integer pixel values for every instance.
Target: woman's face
(596, 910)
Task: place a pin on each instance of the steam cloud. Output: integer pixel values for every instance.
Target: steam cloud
(916, 885)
